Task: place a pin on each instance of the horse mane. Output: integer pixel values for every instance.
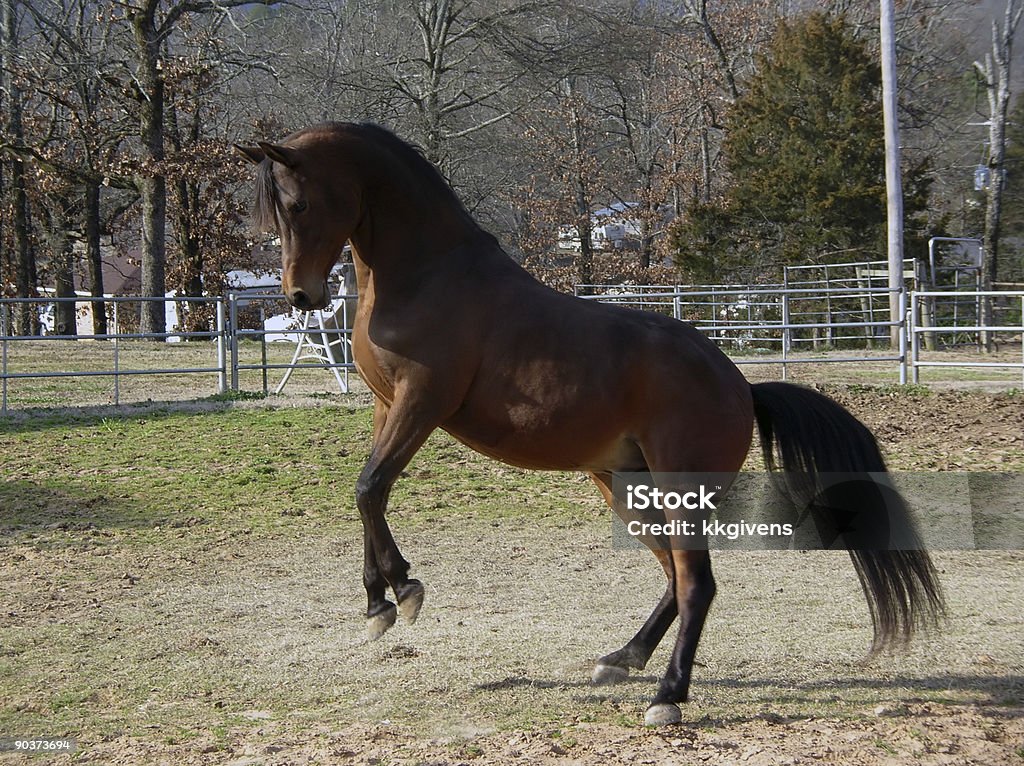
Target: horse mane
(267, 204)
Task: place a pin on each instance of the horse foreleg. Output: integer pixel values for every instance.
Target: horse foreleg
(399, 434)
(380, 613)
(387, 563)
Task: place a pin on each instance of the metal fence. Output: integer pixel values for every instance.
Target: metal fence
(922, 325)
(785, 321)
(756, 325)
(114, 354)
(777, 319)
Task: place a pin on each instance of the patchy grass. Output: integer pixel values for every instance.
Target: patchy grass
(259, 469)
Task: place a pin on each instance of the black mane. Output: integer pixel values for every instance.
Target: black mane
(265, 204)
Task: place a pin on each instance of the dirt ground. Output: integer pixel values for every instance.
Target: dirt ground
(265, 645)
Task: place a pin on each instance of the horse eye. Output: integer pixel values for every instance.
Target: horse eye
(299, 207)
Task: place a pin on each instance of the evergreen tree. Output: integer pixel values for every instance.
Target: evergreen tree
(804, 148)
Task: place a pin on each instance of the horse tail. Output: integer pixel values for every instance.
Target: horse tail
(808, 435)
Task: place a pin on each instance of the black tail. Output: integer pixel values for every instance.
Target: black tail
(808, 435)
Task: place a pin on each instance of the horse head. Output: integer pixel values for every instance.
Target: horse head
(313, 206)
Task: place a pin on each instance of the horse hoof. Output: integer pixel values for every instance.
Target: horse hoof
(410, 601)
(663, 714)
(378, 625)
(605, 675)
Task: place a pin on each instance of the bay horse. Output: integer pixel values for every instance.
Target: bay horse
(452, 333)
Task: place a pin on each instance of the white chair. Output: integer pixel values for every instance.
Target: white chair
(323, 335)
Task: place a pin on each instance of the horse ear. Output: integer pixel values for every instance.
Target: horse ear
(254, 154)
(279, 154)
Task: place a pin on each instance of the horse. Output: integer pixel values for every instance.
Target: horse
(452, 333)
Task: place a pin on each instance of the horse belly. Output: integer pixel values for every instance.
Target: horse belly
(584, 437)
(547, 454)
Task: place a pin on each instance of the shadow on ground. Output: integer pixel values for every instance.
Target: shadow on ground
(1005, 691)
(34, 508)
(41, 419)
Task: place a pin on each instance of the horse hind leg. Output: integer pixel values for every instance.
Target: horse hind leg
(615, 667)
(694, 592)
(722, 454)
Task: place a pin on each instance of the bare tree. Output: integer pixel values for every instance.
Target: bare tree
(995, 75)
(152, 25)
(78, 140)
(680, 73)
(26, 321)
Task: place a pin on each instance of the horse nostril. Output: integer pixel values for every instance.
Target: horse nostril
(300, 300)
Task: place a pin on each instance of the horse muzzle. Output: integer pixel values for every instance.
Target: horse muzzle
(308, 300)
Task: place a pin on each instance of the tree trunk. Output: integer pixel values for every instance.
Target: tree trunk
(435, 19)
(996, 74)
(62, 264)
(646, 244)
(94, 255)
(994, 211)
(26, 317)
(585, 262)
(151, 181)
(584, 225)
(192, 317)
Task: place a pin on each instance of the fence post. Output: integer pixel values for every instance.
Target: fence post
(830, 340)
(233, 334)
(4, 327)
(714, 313)
(915, 337)
(903, 335)
(117, 355)
(345, 346)
(786, 338)
(263, 347)
(222, 362)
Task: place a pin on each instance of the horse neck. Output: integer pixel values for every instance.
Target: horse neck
(401, 239)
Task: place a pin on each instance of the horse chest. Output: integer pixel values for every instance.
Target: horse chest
(378, 377)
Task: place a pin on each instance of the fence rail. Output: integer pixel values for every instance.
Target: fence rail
(765, 319)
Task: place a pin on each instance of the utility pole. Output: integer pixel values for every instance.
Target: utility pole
(893, 179)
